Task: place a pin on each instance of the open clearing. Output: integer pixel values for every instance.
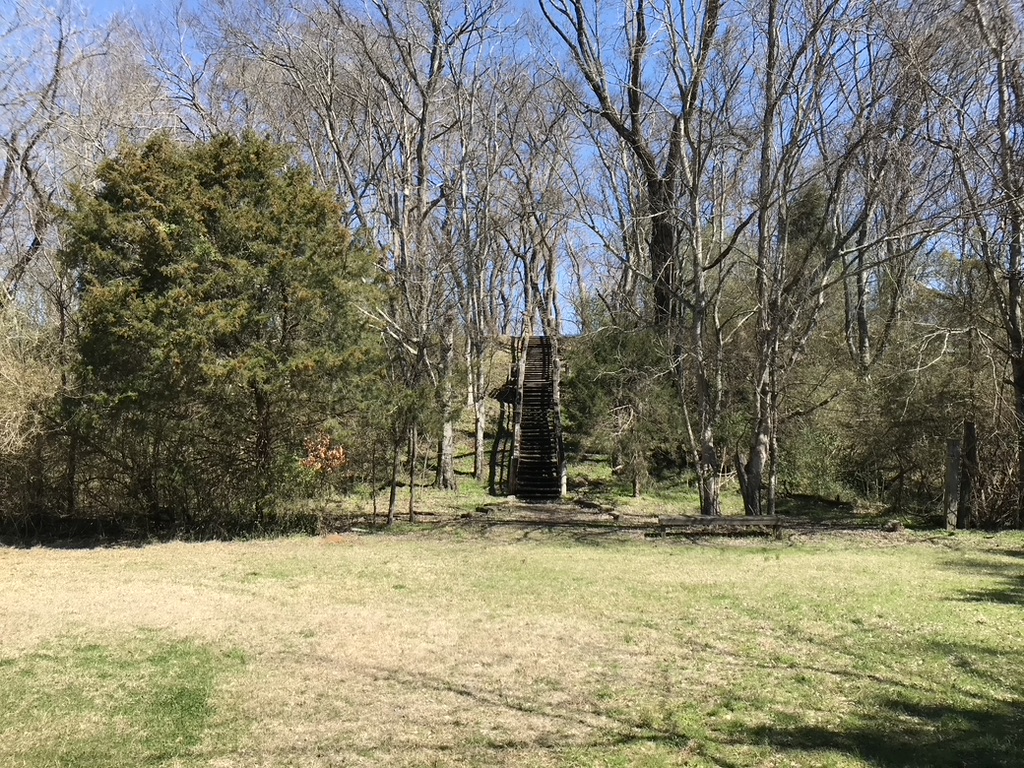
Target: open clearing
(516, 647)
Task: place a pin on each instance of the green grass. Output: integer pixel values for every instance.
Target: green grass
(518, 647)
(137, 701)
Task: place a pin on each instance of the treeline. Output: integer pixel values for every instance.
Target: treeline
(237, 238)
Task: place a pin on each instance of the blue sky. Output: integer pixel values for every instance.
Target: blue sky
(106, 8)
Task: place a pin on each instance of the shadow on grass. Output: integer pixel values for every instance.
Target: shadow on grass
(590, 728)
(826, 513)
(900, 732)
(1004, 576)
(972, 717)
(58, 532)
(976, 718)
(55, 532)
(1010, 592)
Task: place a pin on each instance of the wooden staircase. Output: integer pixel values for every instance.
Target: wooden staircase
(537, 471)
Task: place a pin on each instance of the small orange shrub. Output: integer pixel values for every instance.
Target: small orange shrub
(322, 456)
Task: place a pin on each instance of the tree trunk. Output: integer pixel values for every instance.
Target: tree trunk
(393, 495)
(952, 490)
(1018, 385)
(556, 402)
(662, 250)
(413, 439)
(773, 458)
(709, 479)
(71, 473)
(477, 400)
(445, 477)
(756, 465)
(498, 468)
(1019, 511)
(770, 252)
(704, 335)
(965, 512)
(479, 448)
(373, 483)
(517, 411)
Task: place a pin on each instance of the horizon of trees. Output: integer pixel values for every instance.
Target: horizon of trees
(787, 235)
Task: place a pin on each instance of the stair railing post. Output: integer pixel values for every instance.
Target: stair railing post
(519, 347)
(556, 406)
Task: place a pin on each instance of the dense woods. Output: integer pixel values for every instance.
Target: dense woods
(782, 242)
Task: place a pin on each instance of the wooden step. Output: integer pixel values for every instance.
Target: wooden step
(537, 469)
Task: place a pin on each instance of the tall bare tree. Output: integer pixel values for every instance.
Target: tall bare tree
(666, 79)
(44, 43)
(971, 64)
(836, 118)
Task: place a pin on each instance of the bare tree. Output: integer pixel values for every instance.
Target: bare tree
(205, 88)
(475, 215)
(419, 53)
(827, 132)
(971, 63)
(540, 142)
(297, 69)
(669, 90)
(33, 83)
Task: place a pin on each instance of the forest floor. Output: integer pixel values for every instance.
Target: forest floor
(517, 645)
(599, 505)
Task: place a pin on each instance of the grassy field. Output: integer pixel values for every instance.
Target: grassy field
(516, 647)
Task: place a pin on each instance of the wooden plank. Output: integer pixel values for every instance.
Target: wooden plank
(694, 521)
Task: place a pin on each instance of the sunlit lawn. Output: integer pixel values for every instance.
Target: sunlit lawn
(510, 647)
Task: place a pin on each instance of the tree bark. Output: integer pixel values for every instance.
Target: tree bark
(373, 484)
(395, 467)
(478, 401)
(479, 447)
(498, 467)
(1018, 399)
(952, 488)
(663, 245)
(709, 478)
(413, 440)
(965, 512)
(445, 477)
(756, 465)
(556, 401)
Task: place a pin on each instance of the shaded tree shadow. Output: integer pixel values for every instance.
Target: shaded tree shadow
(55, 532)
(1014, 553)
(906, 726)
(600, 729)
(901, 732)
(824, 512)
(1010, 592)
(1001, 567)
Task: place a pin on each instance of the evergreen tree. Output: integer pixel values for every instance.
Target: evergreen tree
(221, 326)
